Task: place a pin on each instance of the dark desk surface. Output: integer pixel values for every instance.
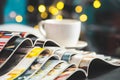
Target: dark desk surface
(110, 75)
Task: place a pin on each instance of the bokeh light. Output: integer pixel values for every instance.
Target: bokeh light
(19, 18)
(53, 10)
(83, 17)
(59, 17)
(36, 27)
(96, 4)
(60, 5)
(44, 15)
(78, 9)
(30, 8)
(12, 14)
(41, 8)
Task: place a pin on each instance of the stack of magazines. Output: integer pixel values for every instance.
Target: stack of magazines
(23, 56)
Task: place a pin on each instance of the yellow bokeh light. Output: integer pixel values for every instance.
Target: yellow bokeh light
(50, 8)
(60, 5)
(41, 8)
(59, 17)
(36, 27)
(78, 9)
(19, 18)
(83, 18)
(96, 4)
(53, 10)
(30, 8)
(44, 15)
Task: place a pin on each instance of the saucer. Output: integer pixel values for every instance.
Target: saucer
(79, 45)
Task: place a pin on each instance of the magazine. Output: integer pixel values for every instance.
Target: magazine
(23, 56)
(10, 50)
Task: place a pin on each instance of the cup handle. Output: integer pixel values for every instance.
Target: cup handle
(41, 29)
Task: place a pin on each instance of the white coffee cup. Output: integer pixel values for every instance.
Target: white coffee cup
(65, 32)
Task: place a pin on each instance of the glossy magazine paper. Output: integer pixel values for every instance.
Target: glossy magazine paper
(23, 56)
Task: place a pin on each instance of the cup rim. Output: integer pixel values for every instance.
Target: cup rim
(63, 21)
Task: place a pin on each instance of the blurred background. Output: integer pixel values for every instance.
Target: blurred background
(100, 19)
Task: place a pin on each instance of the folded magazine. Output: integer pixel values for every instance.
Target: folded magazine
(24, 56)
